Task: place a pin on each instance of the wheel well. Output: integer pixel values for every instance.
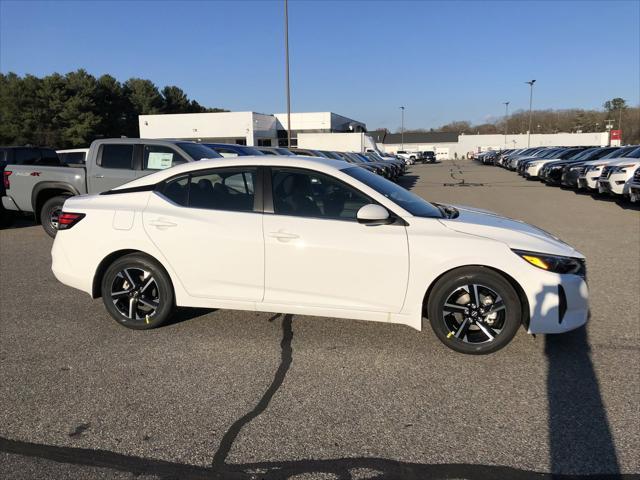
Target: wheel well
(47, 194)
(108, 260)
(524, 302)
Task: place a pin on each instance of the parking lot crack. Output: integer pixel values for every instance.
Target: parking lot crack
(286, 358)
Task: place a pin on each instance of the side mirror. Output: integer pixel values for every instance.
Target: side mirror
(373, 214)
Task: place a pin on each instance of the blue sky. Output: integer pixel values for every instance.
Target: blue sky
(443, 60)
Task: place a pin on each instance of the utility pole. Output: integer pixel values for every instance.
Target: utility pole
(286, 48)
(530, 111)
(402, 129)
(506, 122)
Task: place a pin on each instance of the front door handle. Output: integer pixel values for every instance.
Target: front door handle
(284, 236)
(99, 176)
(162, 223)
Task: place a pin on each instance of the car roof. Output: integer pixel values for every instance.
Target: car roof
(136, 141)
(321, 164)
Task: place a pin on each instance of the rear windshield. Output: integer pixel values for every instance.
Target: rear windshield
(197, 151)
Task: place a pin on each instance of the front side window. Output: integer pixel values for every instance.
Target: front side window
(412, 203)
(157, 157)
(228, 189)
(117, 156)
(310, 194)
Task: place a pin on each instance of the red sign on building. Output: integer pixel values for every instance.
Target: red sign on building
(616, 134)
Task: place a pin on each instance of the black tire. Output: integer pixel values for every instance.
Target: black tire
(156, 288)
(49, 212)
(502, 324)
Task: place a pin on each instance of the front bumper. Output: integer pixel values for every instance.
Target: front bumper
(615, 184)
(634, 192)
(560, 306)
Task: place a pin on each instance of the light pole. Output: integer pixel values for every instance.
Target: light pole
(530, 111)
(506, 122)
(402, 129)
(286, 49)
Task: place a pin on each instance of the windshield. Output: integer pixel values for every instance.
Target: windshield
(412, 203)
(633, 154)
(251, 151)
(551, 153)
(619, 152)
(584, 154)
(197, 151)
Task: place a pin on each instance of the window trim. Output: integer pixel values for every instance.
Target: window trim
(257, 188)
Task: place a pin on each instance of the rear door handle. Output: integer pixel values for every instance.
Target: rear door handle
(284, 236)
(162, 224)
(99, 176)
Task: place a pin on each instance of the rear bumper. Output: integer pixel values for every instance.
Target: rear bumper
(9, 204)
(64, 272)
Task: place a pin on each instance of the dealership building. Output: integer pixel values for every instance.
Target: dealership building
(449, 145)
(244, 128)
(328, 131)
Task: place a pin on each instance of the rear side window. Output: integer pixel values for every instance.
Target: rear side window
(117, 156)
(222, 189)
(157, 157)
(26, 156)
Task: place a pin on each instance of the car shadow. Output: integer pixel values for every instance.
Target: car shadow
(408, 181)
(579, 435)
(17, 221)
(184, 314)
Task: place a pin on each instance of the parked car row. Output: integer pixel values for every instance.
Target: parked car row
(604, 170)
(39, 180)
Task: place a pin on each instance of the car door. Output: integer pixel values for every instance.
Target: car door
(115, 165)
(208, 227)
(317, 254)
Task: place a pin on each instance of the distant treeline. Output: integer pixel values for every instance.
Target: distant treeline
(553, 121)
(72, 110)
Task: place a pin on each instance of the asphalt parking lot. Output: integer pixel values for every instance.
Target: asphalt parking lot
(223, 394)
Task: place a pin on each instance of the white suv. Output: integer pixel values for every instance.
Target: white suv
(593, 170)
(634, 186)
(615, 178)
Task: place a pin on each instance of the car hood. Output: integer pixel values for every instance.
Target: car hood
(514, 233)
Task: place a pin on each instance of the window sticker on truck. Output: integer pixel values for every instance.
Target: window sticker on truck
(160, 160)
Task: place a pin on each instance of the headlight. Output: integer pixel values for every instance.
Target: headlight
(554, 263)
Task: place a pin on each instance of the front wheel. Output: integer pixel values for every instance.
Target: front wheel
(137, 292)
(474, 310)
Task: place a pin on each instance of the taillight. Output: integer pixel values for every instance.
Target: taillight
(67, 220)
(5, 178)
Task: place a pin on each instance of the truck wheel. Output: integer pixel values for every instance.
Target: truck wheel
(50, 212)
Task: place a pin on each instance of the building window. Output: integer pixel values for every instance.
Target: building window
(264, 142)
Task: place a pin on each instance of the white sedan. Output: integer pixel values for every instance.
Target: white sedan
(315, 237)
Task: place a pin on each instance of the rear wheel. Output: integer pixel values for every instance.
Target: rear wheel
(50, 213)
(137, 292)
(474, 310)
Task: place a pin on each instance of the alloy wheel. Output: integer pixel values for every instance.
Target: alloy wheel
(135, 294)
(54, 217)
(474, 314)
